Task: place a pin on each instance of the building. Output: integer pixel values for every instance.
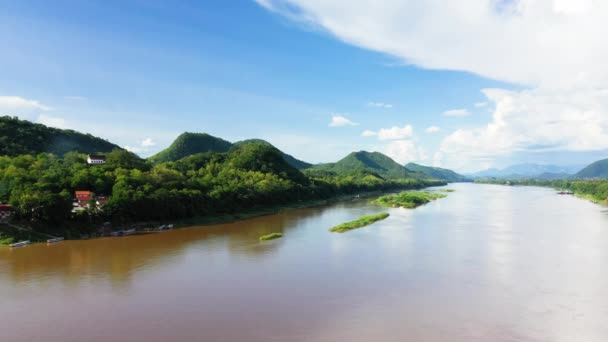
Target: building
(83, 198)
(93, 159)
(6, 211)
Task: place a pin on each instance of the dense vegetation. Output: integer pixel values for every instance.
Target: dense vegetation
(598, 169)
(298, 164)
(369, 162)
(271, 236)
(407, 199)
(187, 144)
(358, 223)
(595, 190)
(19, 137)
(249, 176)
(438, 173)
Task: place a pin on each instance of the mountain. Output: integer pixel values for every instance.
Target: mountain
(263, 157)
(528, 170)
(188, 144)
(438, 173)
(25, 137)
(598, 169)
(372, 162)
(298, 164)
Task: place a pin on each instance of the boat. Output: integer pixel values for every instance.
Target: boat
(55, 240)
(20, 244)
(116, 233)
(565, 193)
(129, 232)
(170, 226)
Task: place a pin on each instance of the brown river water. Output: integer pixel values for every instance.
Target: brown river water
(487, 263)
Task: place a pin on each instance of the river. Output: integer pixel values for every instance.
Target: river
(487, 263)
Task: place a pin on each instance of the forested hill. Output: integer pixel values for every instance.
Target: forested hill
(598, 169)
(370, 162)
(298, 164)
(188, 144)
(19, 137)
(438, 173)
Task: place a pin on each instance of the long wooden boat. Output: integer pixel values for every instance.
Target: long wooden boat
(129, 232)
(55, 240)
(20, 244)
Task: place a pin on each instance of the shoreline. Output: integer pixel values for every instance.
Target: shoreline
(202, 221)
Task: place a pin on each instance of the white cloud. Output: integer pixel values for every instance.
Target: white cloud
(457, 112)
(432, 129)
(75, 98)
(533, 121)
(20, 103)
(142, 147)
(148, 142)
(565, 47)
(560, 59)
(339, 121)
(395, 133)
(380, 105)
(52, 121)
(480, 104)
(368, 133)
(404, 151)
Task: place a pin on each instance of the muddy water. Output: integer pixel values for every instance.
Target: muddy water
(487, 263)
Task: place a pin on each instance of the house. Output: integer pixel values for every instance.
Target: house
(84, 197)
(93, 159)
(6, 211)
(87, 199)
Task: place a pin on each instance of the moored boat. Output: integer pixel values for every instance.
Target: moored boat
(55, 240)
(20, 244)
(129, 232)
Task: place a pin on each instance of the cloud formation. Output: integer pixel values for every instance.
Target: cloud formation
(380, 105)
(340, 121)
(560, 60)
(52, 121)
(457, 112)
(20, 103)
(432, 129)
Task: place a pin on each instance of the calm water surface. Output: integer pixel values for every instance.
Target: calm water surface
(487, 263)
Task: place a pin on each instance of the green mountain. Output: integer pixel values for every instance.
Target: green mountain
(370, 162)
(188, 144)
(263, 157)
(598, 169)
(438, 173)
(298, 164)
(24, 137)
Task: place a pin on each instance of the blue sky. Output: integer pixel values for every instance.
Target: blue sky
(139, 73)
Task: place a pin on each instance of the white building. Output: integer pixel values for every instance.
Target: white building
(96, 160)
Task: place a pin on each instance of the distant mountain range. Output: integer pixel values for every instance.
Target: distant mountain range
(24, 137)
(438, 173)
(528, 170)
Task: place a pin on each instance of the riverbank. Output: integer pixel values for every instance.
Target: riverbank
(595, 191)
(205, 220)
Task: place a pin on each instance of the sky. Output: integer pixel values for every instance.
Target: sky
(463, 84)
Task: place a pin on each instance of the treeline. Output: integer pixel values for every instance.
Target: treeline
(41, 187)
(596, 190)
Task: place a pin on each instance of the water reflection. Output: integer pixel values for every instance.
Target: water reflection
(487, 263)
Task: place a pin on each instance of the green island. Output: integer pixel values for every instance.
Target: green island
(407, 199)
(358, 223)
(271, 236)
(198, 179)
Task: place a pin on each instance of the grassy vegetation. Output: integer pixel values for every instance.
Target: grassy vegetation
(271, 236)
(5, 240)
(407, 199)
(358, 223)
